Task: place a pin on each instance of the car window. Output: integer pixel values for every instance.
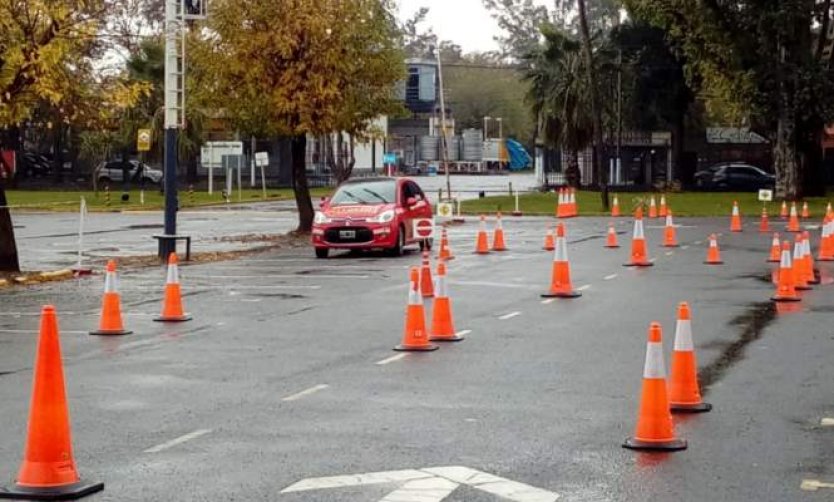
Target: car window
(373, 192)
(416, 191)
(113, 165)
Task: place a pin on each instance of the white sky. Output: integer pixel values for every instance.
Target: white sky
(465, 22)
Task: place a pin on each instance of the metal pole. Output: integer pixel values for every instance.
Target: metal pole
(619, 114)
(445, 152)
(173, 90)
(252, 159)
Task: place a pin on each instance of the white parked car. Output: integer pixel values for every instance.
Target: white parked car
(112, 172)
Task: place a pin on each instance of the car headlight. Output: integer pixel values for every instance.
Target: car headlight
(321, 218)
(384, 217)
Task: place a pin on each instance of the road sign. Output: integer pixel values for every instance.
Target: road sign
(765, 195)
(424, 228)
(211, 153)
(430, 484)
(143, 140)
(445, 209)
(261, 159)
(389, 158)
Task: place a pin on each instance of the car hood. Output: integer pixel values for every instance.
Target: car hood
(357, 211)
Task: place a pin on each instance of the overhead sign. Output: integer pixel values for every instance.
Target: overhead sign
(211, 153)
(261, 159)
(765, 195)
(424, 228)
(445, 209)
(432, 484)
(143, 140)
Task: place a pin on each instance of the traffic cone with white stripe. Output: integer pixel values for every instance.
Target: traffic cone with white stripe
(426, 281)
(713, 253)
(805, 213)
(111, 305)
(442, 323)
(826, 252)
(482, 242)
(615, 207)
(670, 238)
(663, 209)
(786, 287)
(445, 251)
(652, 208)
(498, 243)
(560, 204)
(800, 277)
(549, 241)
(560, 283)
(811, 273)
(415, 336)
(611, 238)
(783, 213)
(684, 390)
(655, 430)
(573, 208)
(172, 310)
(639, 257)
(735, 219)
(793, 222)
(775, 250)
(764, 223)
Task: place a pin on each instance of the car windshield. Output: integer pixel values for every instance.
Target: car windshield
(376, 192)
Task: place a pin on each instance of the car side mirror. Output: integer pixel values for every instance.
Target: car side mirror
(411, 201)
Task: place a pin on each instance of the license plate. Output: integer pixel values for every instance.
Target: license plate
(347, 234)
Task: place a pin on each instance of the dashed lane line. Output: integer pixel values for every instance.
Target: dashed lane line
(305, 392)
(389, 360)
(509, 316)
(463, 332)
(684, 247)
(177, 441)
(548, 301)
(583, 288)
(812, 485)
(610, 277)
(827, 422)
(669, 253)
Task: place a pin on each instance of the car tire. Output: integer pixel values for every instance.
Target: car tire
(399, 247)
(322, 253)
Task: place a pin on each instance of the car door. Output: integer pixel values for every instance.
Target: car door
(408, 211)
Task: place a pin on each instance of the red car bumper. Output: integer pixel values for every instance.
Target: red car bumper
(361, 236)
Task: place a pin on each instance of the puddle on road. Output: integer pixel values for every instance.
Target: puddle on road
(280, 296)
(751, 326)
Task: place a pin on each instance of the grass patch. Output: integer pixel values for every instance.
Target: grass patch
(50, 200)
(682, 203)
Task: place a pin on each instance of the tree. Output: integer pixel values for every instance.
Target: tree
(299, 67)
(762, 64)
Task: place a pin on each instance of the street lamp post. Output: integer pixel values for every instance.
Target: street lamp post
(443, 139)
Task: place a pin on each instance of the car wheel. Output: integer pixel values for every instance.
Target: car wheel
(397, 250)
(322, 253)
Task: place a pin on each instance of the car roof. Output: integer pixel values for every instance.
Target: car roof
(380, 179)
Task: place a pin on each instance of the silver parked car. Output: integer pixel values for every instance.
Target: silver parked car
(112, 172)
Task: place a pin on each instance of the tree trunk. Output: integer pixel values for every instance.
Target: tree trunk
(786, 159)
(8, 247)
(300, 185)
(573, 176)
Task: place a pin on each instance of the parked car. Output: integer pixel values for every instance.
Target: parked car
(734, 176)
(34, 165)
(112, 172)
(371, 213)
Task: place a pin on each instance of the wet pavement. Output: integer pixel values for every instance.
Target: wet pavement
(286, 373)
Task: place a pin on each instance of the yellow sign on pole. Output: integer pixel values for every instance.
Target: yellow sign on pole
(143, 140)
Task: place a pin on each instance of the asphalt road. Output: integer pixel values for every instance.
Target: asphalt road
(287, 373)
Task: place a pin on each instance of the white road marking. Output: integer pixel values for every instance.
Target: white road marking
(509, 316)
(609, 277)
(698, 243)
(371, 478)
(306, 392)
(422, 490)
(812, 485)
(652, 260)
(177, 441)
(827, 422)
(583, 288)
(684, 247)
(463, 332)
(669, 253)
(548, 301)
(391, 359)
(502, 487)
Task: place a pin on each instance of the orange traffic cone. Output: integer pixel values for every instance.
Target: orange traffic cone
(805, 213)
(445, 252)
(560, 204)
(684, 391)
(785, 287)
(655, 429)
(826, 252)
(172, 310)
(560, 284)
(573, 207)
(775, 250)
(800, 277)
(498, 237)
(639, 258)
(415, 337)
(735, 219)
(482, 243)
(670, 238)
(663, 209)
(713, 253)
(111, 306)
(811, 273)
(829, 213)
(764, 223)
(783, 213)
(615, 207)
(793, 222)
(549, 242)
(48, 469)
(426, 281)
(611, 238)
(652, 208)
(442, 324)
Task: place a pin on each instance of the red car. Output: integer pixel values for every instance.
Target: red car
(371, 213)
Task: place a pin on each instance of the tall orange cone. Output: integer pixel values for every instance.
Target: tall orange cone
(655, 429)
(442, 323)
(764, 223)
(426, 281)
(652, 208)
(663, 209)
(48, 469)
(785, 287)
(783, 213)
(805, 213)
(482, 242)
(670, 237)
(793, 222)
(639, 257)
(573, 207)
(611, 237)
(735, 219)
(445, 251)
(713, 253)
(615, 207)
(111, 306)
(498, 243)
(826, 252)
(800, 277)
(560, 204)
(560, 283)
(172, 310)
(684, 391)
(811, 273)
(415, 337)
(775, 250)
(549, 241)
